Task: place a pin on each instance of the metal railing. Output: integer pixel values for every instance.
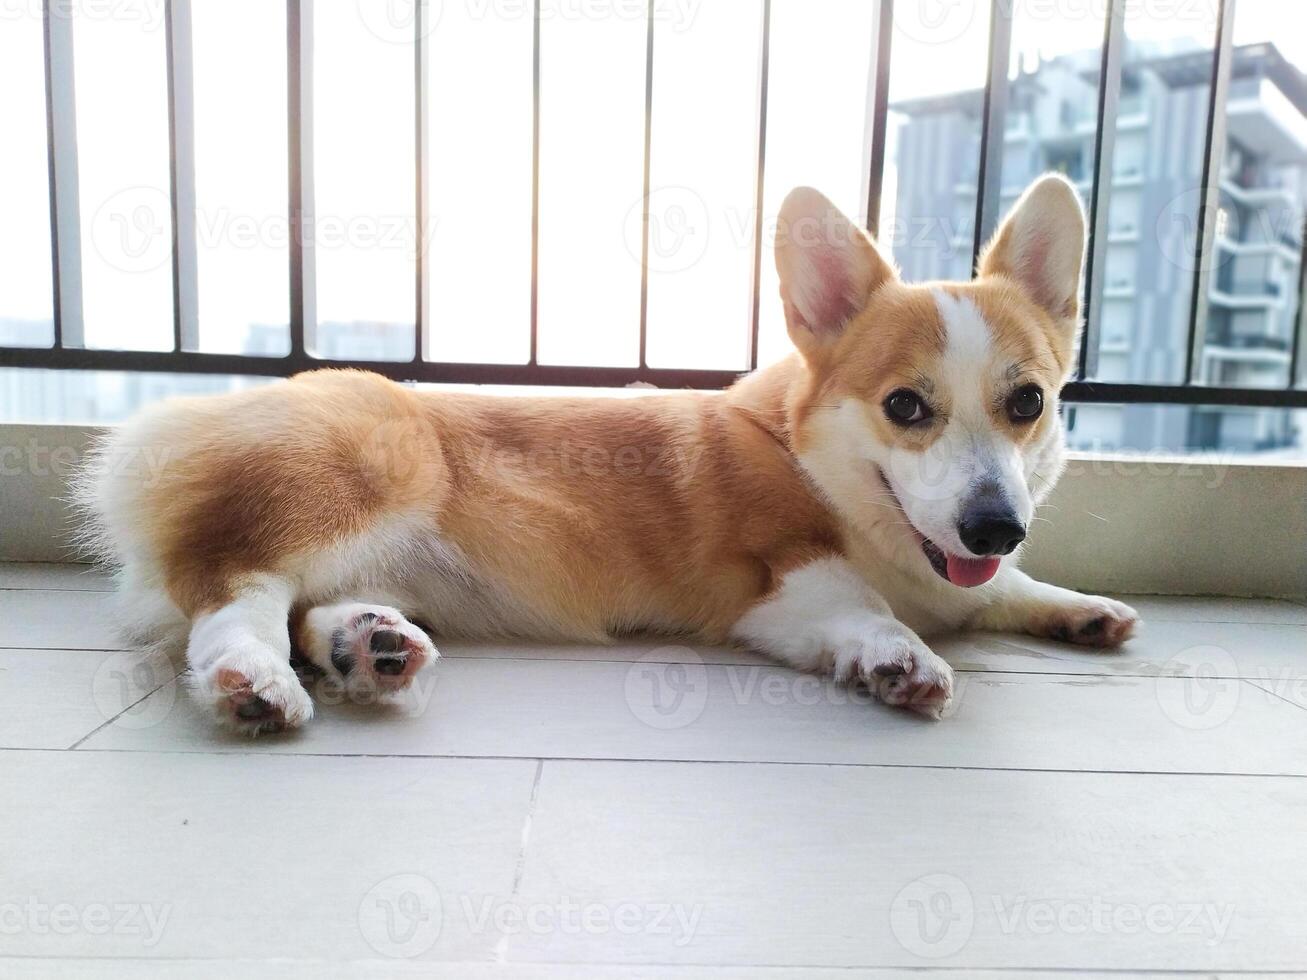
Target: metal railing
(68, 352)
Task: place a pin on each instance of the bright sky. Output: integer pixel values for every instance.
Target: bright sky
(592, 81)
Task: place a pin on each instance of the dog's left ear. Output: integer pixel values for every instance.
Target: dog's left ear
(1040, 246)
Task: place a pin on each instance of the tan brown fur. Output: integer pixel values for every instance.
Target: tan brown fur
(665, 512)
(256, 478)
(658, 512)
(795, 513)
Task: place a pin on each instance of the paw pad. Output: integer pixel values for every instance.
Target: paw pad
(1095, 627)
(387, 641)
(379, 649)
(1105, 623)
(246, 709)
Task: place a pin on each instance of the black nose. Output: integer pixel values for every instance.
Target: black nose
(991, 533)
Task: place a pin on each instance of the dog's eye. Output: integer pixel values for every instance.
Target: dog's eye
(904, 407)
(1025, 404)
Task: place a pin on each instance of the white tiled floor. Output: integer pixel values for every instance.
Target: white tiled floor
(661, 811)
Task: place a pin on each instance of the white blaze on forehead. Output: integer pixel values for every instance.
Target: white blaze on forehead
(968, 349)
(980, 450)
(968, 335)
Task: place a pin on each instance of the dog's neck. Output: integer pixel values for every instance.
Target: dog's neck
(769, 396)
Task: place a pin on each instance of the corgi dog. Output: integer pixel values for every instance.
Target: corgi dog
(832, 510)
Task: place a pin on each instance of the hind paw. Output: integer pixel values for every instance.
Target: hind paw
(372, 647)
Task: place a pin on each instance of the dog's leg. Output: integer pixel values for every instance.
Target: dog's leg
(1023, 605)
(824, 618)
(368, 644)
(239, 656)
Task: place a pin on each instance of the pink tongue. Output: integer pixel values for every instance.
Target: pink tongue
(969, 572)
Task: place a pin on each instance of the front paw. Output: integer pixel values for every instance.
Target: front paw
(1094, 621)
(898, 667)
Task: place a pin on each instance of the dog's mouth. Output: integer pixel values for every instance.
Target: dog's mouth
(957, 570)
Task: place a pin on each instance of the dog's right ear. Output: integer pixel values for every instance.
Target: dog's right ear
(828, 268)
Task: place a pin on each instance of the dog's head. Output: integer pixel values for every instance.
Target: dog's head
(928, 414)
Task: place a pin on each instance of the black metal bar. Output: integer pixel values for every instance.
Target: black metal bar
(61, 162)
(648, 158)
(169, 17)
(764, 71)
(1300, 319)
(535, 184)
(56, 302)
(547, 375)
(1213, 152)
(181, 172)
(993, 126)
(298, 133)
(421, 273)
(1091, 392)
(1109, 99)
(879, 113)
(196, 362)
